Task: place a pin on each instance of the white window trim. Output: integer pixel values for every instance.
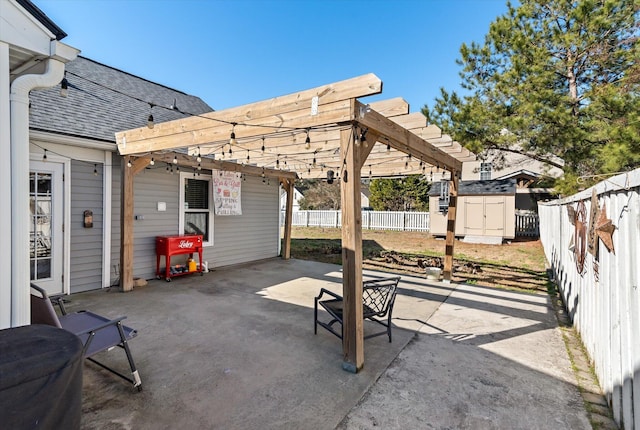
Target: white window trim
(206, 241)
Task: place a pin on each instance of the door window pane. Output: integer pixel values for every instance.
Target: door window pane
(40, 185)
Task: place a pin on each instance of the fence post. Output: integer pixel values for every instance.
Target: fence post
(404, 221)
(307, 223)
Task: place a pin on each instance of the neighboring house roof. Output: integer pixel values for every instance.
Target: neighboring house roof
(477, 188)
(94, 110)
(523, 173)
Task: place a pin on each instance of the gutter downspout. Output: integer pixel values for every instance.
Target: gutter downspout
(19, 111)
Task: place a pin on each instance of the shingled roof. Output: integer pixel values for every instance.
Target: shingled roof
(477, 188)
(93, 110)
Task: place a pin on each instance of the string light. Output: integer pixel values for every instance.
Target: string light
(199, 157)
(307, 141)
(262, 149)
(199, 167)
(230, 151)
(95, 170)
(357, 138)
(64, 86)
(129, 163)
(248, 158)
(314, 161)
(44, 157)
(388, 148)
(150, 123)
(232, 139)
(152, 162)
(175, 159)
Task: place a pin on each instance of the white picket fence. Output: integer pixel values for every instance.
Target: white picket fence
(371, 220)
(526, 225)
(604, 300)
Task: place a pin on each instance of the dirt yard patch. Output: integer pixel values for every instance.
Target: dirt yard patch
(519, 264)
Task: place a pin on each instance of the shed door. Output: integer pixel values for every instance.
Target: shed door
(474, 216)
(46, 237)
(485, 216)
(494, 216)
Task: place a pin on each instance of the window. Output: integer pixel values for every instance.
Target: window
(485, 171)
(443, 200)
(196, 216)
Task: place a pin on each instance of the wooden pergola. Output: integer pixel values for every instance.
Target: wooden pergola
(304, 135)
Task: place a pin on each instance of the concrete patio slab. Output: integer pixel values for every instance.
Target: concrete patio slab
(235, 349)
(487, 359)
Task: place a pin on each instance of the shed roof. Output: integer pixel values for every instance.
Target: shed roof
(94, 110)
(479, 188)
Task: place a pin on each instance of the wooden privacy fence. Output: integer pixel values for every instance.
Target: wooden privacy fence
(526, 225)
(600, 286)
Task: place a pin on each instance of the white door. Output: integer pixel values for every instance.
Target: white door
(46, 225)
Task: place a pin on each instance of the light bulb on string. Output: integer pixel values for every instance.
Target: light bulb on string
(150, 123)
(357, 137)
(230, 151)
(307, 141)
(248, 158)
(363, 138)
(262, 149)
(167, 169)
(199, 157)
(199, 166)
(175, 159)
(129, 163)
(95, 170)
(232, 138)
(388, 148)
(152, 162)
(64, 86)
(44, 157)
(314, 162)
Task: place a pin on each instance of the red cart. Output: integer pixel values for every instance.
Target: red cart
(176, 245)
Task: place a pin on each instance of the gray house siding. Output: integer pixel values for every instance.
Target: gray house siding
(86, 243)
(252, 235)
(237, 239)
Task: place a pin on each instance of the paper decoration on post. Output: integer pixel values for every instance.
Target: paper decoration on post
(605, 229)
(227, 187)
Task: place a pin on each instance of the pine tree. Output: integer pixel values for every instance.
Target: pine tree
(557, 80)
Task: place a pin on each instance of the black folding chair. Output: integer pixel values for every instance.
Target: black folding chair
(96, 332)
(378, 297)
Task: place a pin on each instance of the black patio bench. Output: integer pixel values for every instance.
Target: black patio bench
(378, 297)
(96, 332)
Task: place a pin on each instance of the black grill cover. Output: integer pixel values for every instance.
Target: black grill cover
(40, 378)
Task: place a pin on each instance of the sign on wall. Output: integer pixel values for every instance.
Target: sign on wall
(227, 193)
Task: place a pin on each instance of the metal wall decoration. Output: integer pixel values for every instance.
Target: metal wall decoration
(604, 229)
(592, 237)
(580, 241)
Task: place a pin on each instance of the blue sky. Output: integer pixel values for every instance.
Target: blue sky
(234, 52)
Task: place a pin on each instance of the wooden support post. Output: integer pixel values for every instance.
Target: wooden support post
(130, 167)
(126, 226)
(351, 159)
(288, 185)
(451, 227)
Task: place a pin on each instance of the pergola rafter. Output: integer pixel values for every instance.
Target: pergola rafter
(303, 135)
